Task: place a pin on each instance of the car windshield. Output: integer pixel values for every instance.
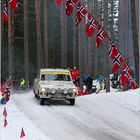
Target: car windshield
(55, 77)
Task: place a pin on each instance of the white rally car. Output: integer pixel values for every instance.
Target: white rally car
(55, 84)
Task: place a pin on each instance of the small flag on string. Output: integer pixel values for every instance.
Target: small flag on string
(4, 112)
(70, 5)
(101, 35)
(81, 12)
(5, 13)
(22, 133)
(58, 2)
(14, 4)
(8, 84)
(132, 83)
(5, 122)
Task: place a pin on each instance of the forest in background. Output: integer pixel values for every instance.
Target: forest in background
(39, 34)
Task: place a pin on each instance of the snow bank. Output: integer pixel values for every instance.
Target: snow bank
(16, 120)
(116, 112)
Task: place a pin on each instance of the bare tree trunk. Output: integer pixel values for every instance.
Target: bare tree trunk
(0, 40)
(63, 39)
(112, 20)
(106, 54)
(89, 47)
(96, 50)
(81, 46)
(74, 42)
(101, 49)
(85, 55)
(10, 42)
(123, 26)
(26, 46)
(45, 34)
(135, 39)
(39, 44)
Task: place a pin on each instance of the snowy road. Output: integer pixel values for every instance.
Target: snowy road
(94, 117)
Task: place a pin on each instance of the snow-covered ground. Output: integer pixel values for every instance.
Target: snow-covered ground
(103, 116)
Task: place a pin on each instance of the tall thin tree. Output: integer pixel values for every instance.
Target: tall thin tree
(45, 33)
(90, 45)
(74, 42)
(26, 46)
(135, 39)
(39, 43)
(63, 38)
(0, 42)
(10, 42)
(106, 54)
(96, 50)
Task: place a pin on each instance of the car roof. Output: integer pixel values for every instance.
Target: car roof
(53, 69)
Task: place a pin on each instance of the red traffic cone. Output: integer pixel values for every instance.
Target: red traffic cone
(22, 134)
(5, 122)
(4, 112)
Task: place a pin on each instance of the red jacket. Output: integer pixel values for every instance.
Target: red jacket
(74, 73)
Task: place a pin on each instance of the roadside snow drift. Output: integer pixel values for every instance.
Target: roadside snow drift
(103, 116)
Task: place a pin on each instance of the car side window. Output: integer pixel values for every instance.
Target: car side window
(43, 77)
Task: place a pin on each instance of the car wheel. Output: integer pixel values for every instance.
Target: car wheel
(72, 101)
(42, 101)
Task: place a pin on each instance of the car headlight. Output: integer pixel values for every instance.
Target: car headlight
(53, 91)
(65, 91)
(74, 90)
(43, 89)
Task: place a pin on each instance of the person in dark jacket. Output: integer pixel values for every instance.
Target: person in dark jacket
(89, 81)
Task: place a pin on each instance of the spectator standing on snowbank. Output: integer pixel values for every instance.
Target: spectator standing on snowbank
(89, 82)
(75, 75)
(22, 84)
(101, 80)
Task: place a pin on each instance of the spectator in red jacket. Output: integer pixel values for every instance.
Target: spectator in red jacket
(75, 75)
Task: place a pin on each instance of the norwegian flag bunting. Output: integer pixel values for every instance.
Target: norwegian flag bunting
(5, 13)
(22, 134)
(4, 112)
(8, 84)
(59, 2)
(6, 91)
(70, 5)
(14, 4)
(6, 96)
(81, 12)
(91, 25)
(125, 75)
(2, 89)
(118, 60)
(5, 122)
(132, 83)
(101, 35)
(113, 51)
